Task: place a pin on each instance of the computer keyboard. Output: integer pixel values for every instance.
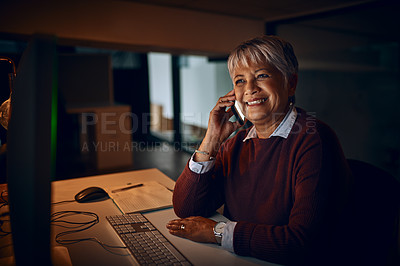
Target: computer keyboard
(144, 241)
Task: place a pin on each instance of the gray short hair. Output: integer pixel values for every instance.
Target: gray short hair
(265, 49)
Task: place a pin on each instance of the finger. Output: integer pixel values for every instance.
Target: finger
(231, 98)
(178, 224)
(231, 92)
(179, 233)
(175, 221)
(175, 227)
(225, 104)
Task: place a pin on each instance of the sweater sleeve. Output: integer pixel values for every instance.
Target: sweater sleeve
(198, 194)
(318, 172)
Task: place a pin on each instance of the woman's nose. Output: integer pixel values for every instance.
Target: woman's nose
(251, 88)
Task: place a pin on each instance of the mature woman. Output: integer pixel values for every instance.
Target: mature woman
(282, 181)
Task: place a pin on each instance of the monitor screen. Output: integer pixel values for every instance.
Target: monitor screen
(30, 147)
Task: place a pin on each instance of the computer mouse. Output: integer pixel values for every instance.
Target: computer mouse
(91, 194)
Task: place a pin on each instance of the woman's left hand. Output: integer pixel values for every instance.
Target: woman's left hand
(195, 228)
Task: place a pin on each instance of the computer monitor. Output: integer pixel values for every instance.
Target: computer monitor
(30, 149)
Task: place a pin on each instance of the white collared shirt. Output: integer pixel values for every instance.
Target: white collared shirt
(282, 131)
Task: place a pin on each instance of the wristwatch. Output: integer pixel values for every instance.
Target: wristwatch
(218, 231)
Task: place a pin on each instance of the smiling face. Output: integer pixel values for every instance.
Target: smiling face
(262, 92)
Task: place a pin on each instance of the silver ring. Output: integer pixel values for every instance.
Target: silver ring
(182, 227)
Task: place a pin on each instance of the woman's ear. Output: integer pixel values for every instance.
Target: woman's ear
(292, 84)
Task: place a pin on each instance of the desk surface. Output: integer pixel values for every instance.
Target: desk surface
(91, 253)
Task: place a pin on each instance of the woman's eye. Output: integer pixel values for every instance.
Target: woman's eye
(239, 81)
(262, 76)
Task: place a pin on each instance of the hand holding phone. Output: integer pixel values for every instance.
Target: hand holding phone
(238, 114)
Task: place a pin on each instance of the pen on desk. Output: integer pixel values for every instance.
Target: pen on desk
(126, 188)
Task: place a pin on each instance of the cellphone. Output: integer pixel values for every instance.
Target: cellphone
(238, 114)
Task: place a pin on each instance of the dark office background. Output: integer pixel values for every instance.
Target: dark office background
(349, 78)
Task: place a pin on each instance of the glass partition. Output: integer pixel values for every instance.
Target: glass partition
(202, 83)
(161, 103)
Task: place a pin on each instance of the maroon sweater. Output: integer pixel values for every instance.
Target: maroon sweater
(285, 194)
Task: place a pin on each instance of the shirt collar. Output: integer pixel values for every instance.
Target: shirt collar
(282, 130)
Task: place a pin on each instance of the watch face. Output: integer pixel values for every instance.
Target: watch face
(219, 227)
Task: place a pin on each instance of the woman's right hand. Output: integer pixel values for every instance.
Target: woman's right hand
(219, 127)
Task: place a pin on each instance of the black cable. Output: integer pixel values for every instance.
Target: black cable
(57, 216)
(56, 219)
(2, 232)
(64, 201)
(3, 204)
(2, 197)
(2, 222)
